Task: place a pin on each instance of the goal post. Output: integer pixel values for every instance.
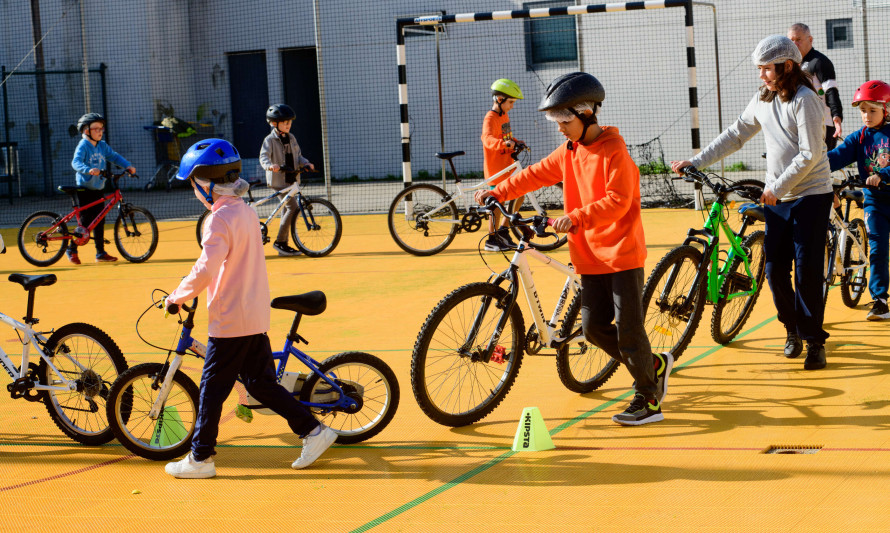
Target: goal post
(535, 14)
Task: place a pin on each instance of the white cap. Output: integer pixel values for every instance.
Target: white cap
(775, 49)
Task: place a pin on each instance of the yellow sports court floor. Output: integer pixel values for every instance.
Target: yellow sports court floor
(702, 469)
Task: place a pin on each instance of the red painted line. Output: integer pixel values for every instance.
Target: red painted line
(60, 476)
(656, 448)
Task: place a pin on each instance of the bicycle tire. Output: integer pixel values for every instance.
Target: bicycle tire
(730, 315)
(415, 234)
(669, 321)
(854, 285)
(137, 237)
(583, 368)
(89, 356)
(130, 401)
(40, 252)
(375, 384)
(436, 356)
(828, 271)
(199, 227)
(320, 226)
(545, 245)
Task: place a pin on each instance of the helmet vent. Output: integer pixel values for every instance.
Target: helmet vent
(220, 152)
(202, 146)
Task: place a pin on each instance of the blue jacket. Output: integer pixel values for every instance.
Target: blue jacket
(87, 156)
(870, 149)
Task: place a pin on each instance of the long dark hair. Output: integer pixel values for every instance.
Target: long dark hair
(787, 82)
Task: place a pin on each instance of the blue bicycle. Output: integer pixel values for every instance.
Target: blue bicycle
(152, 407)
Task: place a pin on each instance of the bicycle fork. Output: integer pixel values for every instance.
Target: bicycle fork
(168, 371)
(493, 351)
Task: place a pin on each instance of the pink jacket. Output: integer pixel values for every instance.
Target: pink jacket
(232, 268)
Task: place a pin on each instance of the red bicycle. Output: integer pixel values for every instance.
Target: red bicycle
(44, 235)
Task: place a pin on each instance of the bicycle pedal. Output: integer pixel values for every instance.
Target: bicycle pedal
(498, 355)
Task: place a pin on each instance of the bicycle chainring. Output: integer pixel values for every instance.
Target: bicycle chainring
(533, 344)
(80, 236)
(471, 222)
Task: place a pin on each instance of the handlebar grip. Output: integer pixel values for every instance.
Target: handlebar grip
(172, 309)
(572, 230)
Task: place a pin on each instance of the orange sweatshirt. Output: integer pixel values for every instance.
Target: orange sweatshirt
(601, 192)
(495, 154)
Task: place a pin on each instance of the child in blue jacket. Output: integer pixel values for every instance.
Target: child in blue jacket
(89, 161)
(869, 147)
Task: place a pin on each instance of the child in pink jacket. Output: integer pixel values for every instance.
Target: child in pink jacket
(232, 268)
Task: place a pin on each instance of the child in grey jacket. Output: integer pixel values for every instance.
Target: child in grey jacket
(281, 158)
(798, 192)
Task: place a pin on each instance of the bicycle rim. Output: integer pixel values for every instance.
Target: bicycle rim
(136, 234)
(855, 277)
(582, 366)
(671, 319)
(730, 314)
(316, 227)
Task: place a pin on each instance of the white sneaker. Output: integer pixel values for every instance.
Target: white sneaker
(188, 468)
(314, 446)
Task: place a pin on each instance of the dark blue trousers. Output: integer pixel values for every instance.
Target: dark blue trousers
(250, 358)
(877, 219)
(796, 233)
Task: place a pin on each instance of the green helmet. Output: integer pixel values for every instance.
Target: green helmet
(506, 88)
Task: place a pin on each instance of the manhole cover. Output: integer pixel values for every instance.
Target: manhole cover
(808, 449)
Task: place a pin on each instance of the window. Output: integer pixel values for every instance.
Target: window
(840, 33)
(550, 40)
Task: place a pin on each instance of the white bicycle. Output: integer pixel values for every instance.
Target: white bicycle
(469, 350)
(846, 252)
(316, 227)
(72, 373)
(424, 219)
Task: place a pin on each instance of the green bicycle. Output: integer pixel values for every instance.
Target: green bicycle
(701, 272)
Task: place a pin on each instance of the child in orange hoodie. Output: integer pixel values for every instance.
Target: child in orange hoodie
(601, 186)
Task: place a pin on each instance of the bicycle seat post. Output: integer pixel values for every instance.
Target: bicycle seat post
(29, 316)
(292, 335)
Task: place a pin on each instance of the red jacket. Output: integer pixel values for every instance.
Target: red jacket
(601, 192)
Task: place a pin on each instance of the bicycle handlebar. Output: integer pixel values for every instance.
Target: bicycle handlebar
(538, 223)
(694, 175)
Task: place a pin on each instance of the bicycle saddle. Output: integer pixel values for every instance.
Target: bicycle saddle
(310, 303)
(449, 155)
(32, 282)
(752, 210)
(854, 195)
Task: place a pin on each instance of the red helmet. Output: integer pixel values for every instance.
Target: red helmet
(872, 91)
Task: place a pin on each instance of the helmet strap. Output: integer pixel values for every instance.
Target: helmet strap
(588, 120)
(208, 194)
(498, 99)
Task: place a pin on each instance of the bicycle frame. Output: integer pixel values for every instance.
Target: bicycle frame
(187, 343)
(112, 199)
(31, 338)
(519, 268)
(285, 194)
(842, 232)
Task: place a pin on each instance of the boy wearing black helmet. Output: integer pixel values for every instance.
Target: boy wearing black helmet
(232, 268)
(601, 188)
(280, 157)
(89, 161)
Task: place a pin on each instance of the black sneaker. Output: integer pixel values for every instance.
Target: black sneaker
(879, 311)
(640, 411)
(495, 244)
(793, 345)
(285, 250)
(664, 363)
(504, 234)
(815, 357)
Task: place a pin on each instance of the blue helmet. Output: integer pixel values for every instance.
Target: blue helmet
(211, 159)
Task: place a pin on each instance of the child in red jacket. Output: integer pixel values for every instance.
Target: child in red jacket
(601, 185)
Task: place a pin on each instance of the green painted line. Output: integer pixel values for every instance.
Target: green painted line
(456, 481)
(433, 493)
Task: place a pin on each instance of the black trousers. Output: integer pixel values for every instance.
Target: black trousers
(87, 216)
(250, 358)
(796, 233)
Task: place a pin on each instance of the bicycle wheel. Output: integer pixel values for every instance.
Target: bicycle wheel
(365, 378)
(135, 234)
(37, 246)
(199, 227)
(582, 367)
(86, 355)
(854, 280)
(673, 305)
(130, 401)
(549, 199)
(319, 225)
(416, 231)
(829, 273)
(730, 315)
(453, 385)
